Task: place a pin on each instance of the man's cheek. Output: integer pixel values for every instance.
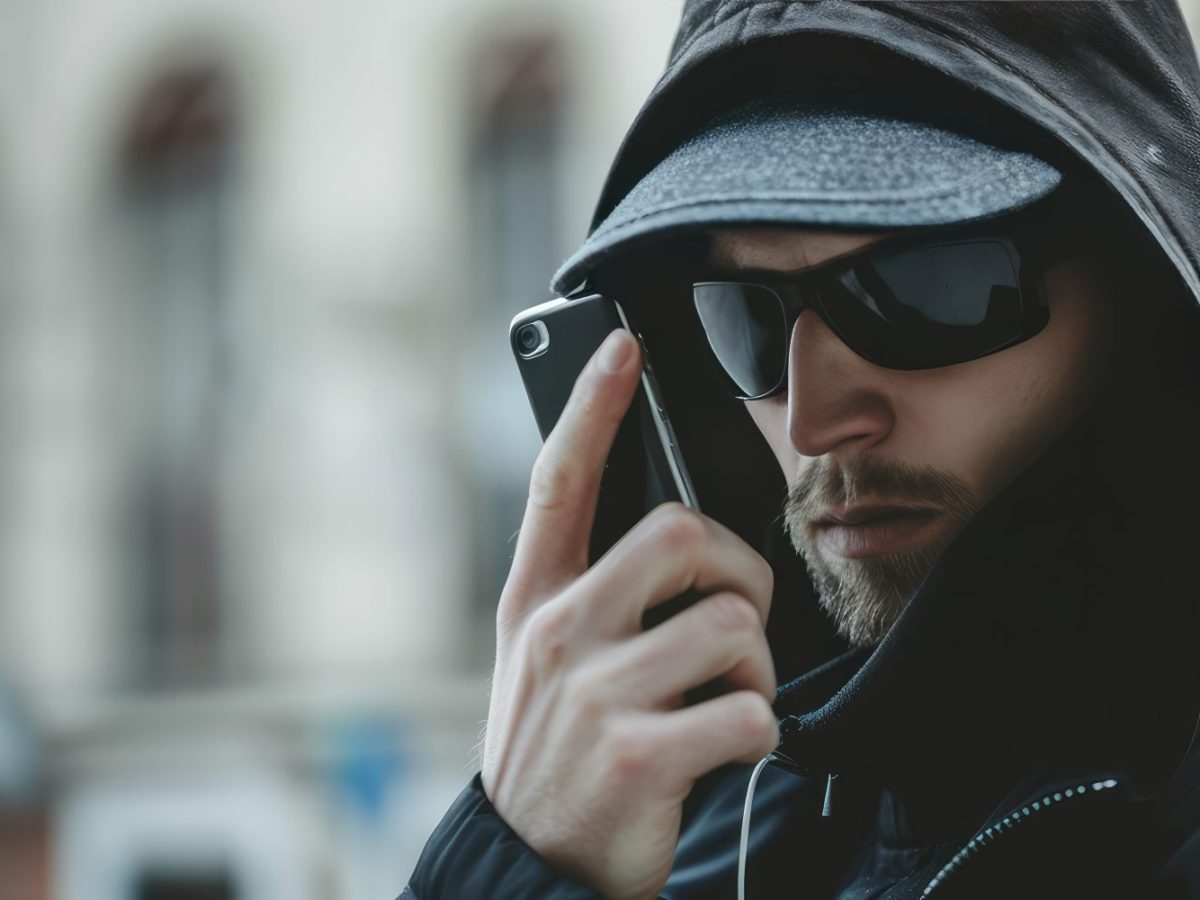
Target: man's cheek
(975, 427)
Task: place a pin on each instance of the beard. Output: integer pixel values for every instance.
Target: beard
(865, 596)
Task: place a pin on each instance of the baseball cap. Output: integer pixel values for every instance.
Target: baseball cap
(785, 161)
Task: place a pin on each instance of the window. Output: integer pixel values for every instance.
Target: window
(174, 196)
(154, 885)
(519, 88)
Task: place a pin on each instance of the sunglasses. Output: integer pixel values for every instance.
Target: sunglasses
(951, 296)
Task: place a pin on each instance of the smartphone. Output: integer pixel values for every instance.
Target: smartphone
(552, 342)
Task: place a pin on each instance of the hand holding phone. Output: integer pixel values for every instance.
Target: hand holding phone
(589, 752)
(552, 343)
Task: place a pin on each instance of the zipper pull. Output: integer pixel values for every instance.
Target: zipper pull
(827, 806)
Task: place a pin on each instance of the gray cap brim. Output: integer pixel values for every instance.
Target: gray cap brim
(788, 162)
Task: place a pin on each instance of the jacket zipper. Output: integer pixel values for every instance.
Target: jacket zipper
(1017, 817)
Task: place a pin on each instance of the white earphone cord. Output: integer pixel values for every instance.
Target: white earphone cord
(745, 841)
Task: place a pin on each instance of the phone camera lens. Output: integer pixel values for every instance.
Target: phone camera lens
(528, 338)
(532, 339)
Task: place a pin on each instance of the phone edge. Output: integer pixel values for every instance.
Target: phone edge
(666, 434)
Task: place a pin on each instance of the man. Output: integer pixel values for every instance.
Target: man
(948, 265)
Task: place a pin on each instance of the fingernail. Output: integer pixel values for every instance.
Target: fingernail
(615, 352)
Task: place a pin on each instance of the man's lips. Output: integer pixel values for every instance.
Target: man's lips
(872, 530)
(857, 515)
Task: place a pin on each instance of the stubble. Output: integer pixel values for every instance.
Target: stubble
(865, 596)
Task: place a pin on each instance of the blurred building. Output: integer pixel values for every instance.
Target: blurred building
(264, 448)
(264, 445)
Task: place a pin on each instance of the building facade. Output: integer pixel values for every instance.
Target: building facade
(265, 448)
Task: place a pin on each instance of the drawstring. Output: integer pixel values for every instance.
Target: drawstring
(827, 806)
(744, 843)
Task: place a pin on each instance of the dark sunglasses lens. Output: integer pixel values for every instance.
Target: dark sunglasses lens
(747, 331)
(929, 306)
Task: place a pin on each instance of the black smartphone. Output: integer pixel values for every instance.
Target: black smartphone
(552, 342)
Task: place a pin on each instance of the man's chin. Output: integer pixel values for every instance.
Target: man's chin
(870, 530)
(865, 596)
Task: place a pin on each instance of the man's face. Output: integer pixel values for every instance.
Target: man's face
(884, 467)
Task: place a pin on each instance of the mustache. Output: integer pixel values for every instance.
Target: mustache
(828, 482)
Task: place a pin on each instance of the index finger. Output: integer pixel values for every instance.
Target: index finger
(552, 546)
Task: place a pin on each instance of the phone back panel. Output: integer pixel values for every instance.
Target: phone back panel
(637, 476)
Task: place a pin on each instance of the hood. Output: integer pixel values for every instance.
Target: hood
(1060, 629)
(1114, 85)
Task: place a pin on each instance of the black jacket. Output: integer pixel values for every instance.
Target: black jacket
(1026, 728)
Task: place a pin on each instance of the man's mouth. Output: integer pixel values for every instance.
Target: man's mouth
(865, 530)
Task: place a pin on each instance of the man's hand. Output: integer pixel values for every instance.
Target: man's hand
(589, 751)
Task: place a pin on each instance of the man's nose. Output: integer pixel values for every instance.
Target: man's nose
(836, 399)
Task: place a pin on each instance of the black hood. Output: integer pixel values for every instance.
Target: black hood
(1060, 629)
(1114, 85)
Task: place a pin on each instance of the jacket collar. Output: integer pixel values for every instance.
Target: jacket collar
(1041, 641)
